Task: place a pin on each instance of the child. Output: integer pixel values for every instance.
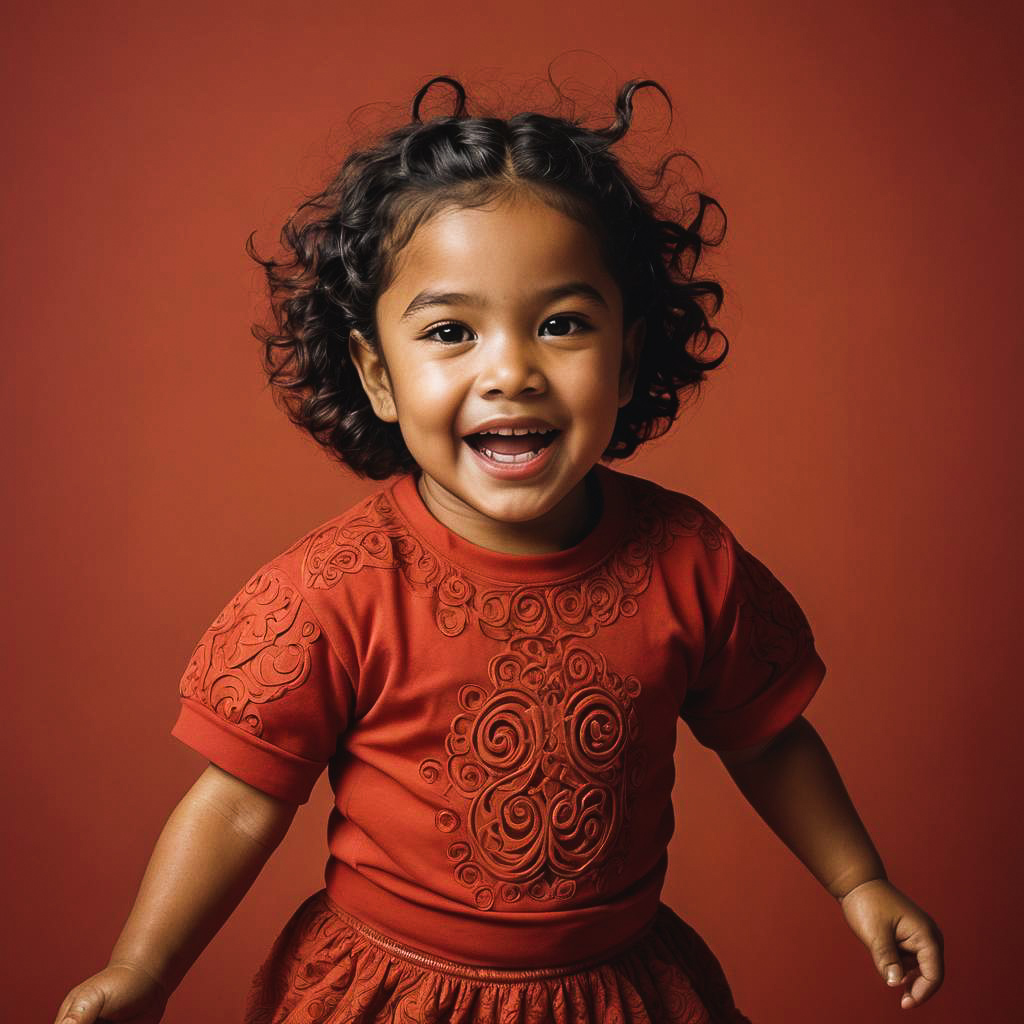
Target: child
(489, 653)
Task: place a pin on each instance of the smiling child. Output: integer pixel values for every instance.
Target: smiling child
(490, 653)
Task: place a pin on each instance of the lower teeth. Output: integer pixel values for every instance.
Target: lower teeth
(503, 457)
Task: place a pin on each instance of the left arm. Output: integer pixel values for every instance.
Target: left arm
(794, 785)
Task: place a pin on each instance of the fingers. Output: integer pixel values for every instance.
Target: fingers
(921, 970)
(81, 1006)
(927, 977)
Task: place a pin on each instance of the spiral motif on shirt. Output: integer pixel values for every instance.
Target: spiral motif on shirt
(545, 760)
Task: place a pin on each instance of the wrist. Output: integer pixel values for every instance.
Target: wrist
(165, 987)
(847, 891)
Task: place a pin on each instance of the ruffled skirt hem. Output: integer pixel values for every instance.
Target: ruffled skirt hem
(327, 967)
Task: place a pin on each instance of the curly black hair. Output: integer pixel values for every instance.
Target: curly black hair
(342, 245)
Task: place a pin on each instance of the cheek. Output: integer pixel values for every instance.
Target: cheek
(597, 398)
(599, 381)
(428, 393)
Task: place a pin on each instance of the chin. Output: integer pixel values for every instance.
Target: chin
(538, 511)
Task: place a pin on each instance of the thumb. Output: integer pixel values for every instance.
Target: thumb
(887, 960)
(84, 1006)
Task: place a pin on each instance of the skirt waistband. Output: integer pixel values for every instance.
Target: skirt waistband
(475, 972)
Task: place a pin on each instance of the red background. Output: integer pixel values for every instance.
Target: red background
(858, 438)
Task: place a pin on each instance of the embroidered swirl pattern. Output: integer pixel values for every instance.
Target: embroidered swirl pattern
(780, 632)
(256, 650)
(544, 760)
(545, 754)
(326, 966)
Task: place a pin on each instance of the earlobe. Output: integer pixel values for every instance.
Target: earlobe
(632, 344)
(374, 376)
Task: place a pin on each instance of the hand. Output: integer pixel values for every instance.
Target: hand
(898, 935)
(120, 992)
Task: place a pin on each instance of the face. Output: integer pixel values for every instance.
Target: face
(480, 323)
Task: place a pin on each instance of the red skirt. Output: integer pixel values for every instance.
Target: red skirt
(327, 967)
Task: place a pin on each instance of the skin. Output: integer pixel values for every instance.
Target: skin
(794, 785)
(210, 851)
(505, 357)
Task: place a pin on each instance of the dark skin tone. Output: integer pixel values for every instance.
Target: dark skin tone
(794, 785)
(526, 321)
(209, 853)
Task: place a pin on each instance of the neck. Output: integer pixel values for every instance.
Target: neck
(564, 527)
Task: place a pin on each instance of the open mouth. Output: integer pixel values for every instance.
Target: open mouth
(511, 448)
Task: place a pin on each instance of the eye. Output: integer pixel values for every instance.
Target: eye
(563, 317)
(453, 325)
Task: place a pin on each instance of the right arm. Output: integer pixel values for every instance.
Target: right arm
(211, 850)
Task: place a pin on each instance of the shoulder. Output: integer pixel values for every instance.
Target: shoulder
(313, 587)
(652, 506)
(336, 548)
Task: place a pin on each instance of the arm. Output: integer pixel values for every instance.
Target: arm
(214, 845)
(794, 785)
(209, 853)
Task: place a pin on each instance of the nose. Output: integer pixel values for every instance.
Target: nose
(510, 365)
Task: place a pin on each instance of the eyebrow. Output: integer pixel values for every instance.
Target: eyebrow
(425, 299)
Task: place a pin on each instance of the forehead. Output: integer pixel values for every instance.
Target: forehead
(505, 251)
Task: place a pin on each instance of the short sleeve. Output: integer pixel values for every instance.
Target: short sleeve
(760, 666)
(264, 696)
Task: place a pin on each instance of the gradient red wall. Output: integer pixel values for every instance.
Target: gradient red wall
(859, 438)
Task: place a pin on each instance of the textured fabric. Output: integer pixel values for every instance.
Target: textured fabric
(327, 966)
(498, 730)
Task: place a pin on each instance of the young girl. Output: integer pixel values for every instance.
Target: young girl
(489, 654)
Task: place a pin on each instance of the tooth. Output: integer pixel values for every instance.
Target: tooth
(516, 431)
(499, 457)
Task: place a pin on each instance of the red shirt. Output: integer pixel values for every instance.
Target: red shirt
(498, 729)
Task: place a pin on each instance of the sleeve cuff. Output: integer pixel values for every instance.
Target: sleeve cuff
(264, 766)
(766, 715)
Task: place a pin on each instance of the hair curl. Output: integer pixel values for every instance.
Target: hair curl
(342, 245)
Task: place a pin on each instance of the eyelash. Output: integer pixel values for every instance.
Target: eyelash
(455, 323)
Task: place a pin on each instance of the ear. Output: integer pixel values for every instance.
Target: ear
(632, 343)
(373, 372)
